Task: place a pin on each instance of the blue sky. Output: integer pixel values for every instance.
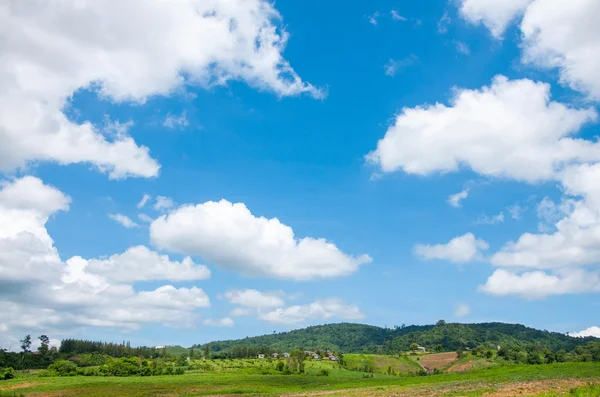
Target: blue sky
(354, 134)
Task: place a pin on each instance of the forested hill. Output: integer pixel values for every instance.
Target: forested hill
(359, 338)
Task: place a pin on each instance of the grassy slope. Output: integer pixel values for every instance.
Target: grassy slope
(199, 384)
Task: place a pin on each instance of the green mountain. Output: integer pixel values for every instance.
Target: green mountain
(359, 338)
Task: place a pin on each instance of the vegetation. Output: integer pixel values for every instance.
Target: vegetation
(358, 338)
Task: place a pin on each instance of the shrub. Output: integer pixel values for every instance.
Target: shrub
(63, 368)
(323, 372)
(7, 373)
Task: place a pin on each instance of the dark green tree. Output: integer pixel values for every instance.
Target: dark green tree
(26, 343)
(44, 344)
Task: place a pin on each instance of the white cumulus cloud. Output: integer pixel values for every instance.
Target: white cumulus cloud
(591, 331)
(124, 50)
(510, 129)
(460, 249)
(230, 236)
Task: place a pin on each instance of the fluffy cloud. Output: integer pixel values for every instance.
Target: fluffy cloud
(324, 309)
(558, 34)
(220, 322)
(591, 331)
(141, 264)
(462, 310)
(494, 14)
(124, 220)
(254, 299)
(564, 34)
(539, 284)
(125, 51)
(460, 249)
(510, 129)
(40, 292)
(230, 236)
(455, 199)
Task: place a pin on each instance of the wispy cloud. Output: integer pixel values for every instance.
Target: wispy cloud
(455, 199)
(462, 48)
(491, 220)
(397, 17)
(443, 23)
(144, 201)
(123, 220)
(172, 121)
(393, 66)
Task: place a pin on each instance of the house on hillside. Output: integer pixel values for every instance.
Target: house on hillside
(275, 355)
(286, 355)
(316, 356)
(421, 349)
(308, 353)
(333, 358)
(261, 356)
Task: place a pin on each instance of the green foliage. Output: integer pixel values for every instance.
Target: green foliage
(7, 373)
(358, 338)
(323, 372)
(63, 368)
(78, 346)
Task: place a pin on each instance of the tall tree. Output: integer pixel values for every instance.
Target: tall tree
(44, 344)
(26, 343)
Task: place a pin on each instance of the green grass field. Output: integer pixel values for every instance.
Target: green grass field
(227, 381)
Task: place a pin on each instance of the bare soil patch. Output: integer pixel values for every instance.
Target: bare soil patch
(525, 388)
(439, 360)
(19, 386)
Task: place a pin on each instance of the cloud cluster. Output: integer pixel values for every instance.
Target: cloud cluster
(556, 34)
(125, 51)
(513, 130)
(40, 291)
(230, 236)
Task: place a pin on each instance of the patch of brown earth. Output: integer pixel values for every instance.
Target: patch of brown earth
(18, 386)
(439, 360)
(463, 367)
(525, 388)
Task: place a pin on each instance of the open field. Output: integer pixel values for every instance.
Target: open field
(498, 381)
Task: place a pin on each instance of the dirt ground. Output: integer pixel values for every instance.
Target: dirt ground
(528, 388)
(439, 360)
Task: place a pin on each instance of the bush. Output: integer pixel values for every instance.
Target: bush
(63, 368)
(323, 372)
(7, 373)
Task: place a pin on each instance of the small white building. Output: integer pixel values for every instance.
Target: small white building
(275, 355)
(333, 358)
(421, 349)
(316, 356)
(261, 356)
(286, 355)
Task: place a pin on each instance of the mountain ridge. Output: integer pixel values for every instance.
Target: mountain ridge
(361, 338)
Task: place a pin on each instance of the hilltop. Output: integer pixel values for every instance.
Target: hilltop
(360, 338)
